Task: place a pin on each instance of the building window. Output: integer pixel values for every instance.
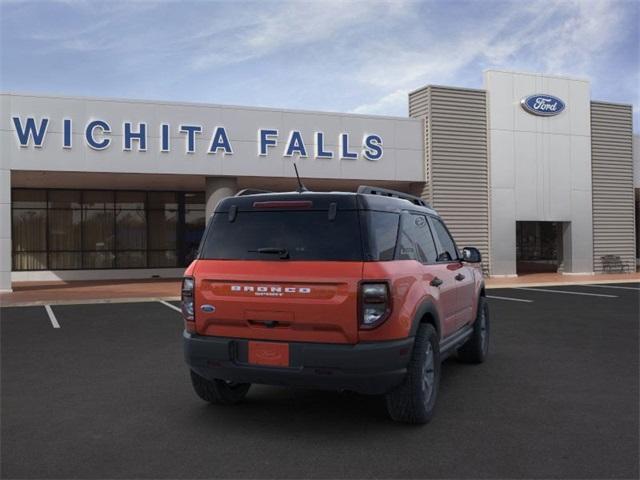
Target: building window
(96, 229)
(64, 231)
(29, 230)
(194, 223)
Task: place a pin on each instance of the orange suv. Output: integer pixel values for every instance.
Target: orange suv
(365, 292)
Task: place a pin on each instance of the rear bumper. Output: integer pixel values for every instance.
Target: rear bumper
(371, 368)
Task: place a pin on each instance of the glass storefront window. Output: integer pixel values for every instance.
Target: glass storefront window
(163, 229)
(65, 230)
(92, 260)
(64, 199)
(195, 200)
(29, 230)
(29, 198)
(166, 258)
(97, 230)
(30, 260)
(98, 199)
(131, 259)
(194, 223)
(94, 229)
(162, 201)
(131, 230)
(130, 200)
(65, 260)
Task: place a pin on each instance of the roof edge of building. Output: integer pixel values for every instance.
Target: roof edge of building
(177, 103)
(447, 87)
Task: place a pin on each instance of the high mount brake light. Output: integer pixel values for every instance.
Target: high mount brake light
(375, 304)
(187, 302)
(284, 204)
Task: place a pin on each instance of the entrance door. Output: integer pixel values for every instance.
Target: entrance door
(538, 247)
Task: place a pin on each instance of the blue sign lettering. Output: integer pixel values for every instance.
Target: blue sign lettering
(91, 141)
(29, 131)
(295, 145)
(67, 133)
(320, 151)
(140, 136)
(219, 140)
(191, 131)
(372, 147)
(97, 136)
(164, 137)
(264, 140)
(345, 154)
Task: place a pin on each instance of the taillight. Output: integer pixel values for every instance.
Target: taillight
(187, 299)
(375, 304)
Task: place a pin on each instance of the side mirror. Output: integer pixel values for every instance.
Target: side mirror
(471, 255)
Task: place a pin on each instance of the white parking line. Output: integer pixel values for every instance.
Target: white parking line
(52, 317)
(512, 299)
(177, 309)
(611, 286)
(567, 291)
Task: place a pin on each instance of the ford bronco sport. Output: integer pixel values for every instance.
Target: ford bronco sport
(365, 292)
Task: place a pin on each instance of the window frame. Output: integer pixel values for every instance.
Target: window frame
(406, 213)
(436, 238)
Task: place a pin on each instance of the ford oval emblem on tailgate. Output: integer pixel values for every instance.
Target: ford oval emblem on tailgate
(208, 308)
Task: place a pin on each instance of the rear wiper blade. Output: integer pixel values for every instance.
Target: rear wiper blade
(283, 252)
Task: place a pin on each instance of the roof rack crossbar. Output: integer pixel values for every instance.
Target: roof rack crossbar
(385, 192)
(250, 191)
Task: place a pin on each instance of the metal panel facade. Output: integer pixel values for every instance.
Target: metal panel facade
(456, 160)
(612, 179)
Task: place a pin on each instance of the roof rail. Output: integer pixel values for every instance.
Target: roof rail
(392, 193)
(250, 191)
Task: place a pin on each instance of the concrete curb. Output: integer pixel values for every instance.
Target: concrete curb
(560, 284)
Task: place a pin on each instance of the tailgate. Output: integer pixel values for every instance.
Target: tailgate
(301, 301)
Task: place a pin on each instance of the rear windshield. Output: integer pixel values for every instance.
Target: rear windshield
(276, 235)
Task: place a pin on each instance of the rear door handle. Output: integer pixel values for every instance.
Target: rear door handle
(436, 282)
(459, 277)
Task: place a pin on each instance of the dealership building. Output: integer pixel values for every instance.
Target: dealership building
(529, 169)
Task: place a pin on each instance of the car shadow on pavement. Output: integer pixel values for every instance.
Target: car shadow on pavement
(287, 410)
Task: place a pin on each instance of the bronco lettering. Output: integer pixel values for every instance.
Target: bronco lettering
(269, 289)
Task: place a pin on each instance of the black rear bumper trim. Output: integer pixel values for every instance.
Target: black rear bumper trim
(371, 368)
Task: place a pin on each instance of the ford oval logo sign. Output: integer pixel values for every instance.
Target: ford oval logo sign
(544, 105)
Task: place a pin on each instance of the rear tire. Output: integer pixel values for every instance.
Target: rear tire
(219, 392)
(414, 400)
(476, 349)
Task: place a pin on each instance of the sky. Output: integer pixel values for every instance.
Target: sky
(344, 56)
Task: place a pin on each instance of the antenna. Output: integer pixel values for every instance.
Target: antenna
(301, 187)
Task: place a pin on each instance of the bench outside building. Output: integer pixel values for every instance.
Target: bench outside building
(614, 264)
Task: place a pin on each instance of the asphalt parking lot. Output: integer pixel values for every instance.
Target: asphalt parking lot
(106, 394)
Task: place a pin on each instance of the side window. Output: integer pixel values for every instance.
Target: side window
(383, 227)
(448, 252)
(416, 242)
(424, 239)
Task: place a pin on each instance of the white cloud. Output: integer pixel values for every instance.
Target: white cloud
(554, 37)
(291, 25)
(394, 103)
(363, 56)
